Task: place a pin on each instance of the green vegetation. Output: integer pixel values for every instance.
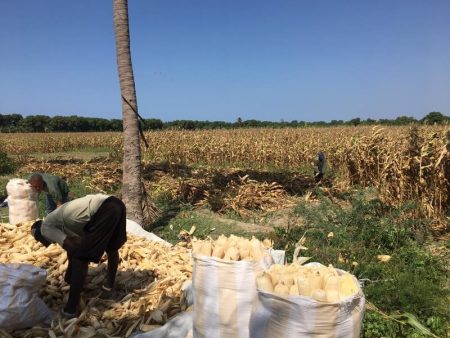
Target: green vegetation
(351, 236)
(407, 296)
(42, 123)
(7, 165)
(177, 216)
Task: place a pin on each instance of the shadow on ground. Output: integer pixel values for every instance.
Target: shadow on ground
(294, 183)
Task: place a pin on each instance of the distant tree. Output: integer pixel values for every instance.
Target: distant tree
(355, 121)
(435, 118)
(78, 123)
(35, 123)
(187, 125)
(220, 124)
(250, 123)
(181, 124)
(320, 123)
(10, 122)
(202, 124)
(370, 121)
(404, 120)
(384, 121)
(14, 120)
(116, 125)
(58, 123)
(97, 124)
(153, 124)
(335, 122)
(43, 123)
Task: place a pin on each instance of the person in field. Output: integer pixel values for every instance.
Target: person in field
(320, 166)
(86, 228)
(56, 189)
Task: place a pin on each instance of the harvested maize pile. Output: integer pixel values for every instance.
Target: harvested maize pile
(321, 283)
(250, 195)
(233, 248)
(148, 285)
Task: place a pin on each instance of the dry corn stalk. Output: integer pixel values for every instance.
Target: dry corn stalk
(412, 166)
(403, 164)
(251, 195)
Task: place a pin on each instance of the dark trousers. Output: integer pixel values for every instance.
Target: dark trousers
(51, 204)
(106, 231)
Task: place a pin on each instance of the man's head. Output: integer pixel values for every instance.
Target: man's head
(321, 157)
(37, 182)
(36, 232)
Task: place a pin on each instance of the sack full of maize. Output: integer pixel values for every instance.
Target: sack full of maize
(22, 201)
(307, 301)
(224, 285)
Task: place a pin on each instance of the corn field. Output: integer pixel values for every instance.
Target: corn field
(403, 163)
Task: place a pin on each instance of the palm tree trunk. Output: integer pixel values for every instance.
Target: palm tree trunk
(132, 191)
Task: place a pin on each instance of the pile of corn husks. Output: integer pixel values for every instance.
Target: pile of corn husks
(147, 292)
(249, 195)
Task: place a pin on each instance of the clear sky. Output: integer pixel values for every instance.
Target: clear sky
(306, 60)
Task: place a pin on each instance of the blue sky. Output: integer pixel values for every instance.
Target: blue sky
(223, 59)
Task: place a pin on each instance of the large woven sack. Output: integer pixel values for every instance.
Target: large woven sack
(224, 294)
(20, 306)
(275, 316)
(20, 188)
(22, 210)
(22, 201)
(179, 326)
(135, 229)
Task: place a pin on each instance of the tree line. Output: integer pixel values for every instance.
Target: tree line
(41, 123)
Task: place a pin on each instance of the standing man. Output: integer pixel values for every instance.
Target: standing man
(86, 228)
(320, 167)
(56, 189)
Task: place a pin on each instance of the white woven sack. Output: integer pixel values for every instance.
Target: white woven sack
(135, 229)
(20, 188)
(275, 316)
(20, 306)
(179, 326)
(22, 210)
(224, 294)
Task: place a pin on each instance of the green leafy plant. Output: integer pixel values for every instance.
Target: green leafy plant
(7, 165)
(410, 287)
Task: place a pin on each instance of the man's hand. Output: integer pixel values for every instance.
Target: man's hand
(71, 244)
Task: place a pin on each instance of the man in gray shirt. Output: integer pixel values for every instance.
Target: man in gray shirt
(86, 228)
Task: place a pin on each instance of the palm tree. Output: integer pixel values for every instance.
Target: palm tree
(132, 187)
